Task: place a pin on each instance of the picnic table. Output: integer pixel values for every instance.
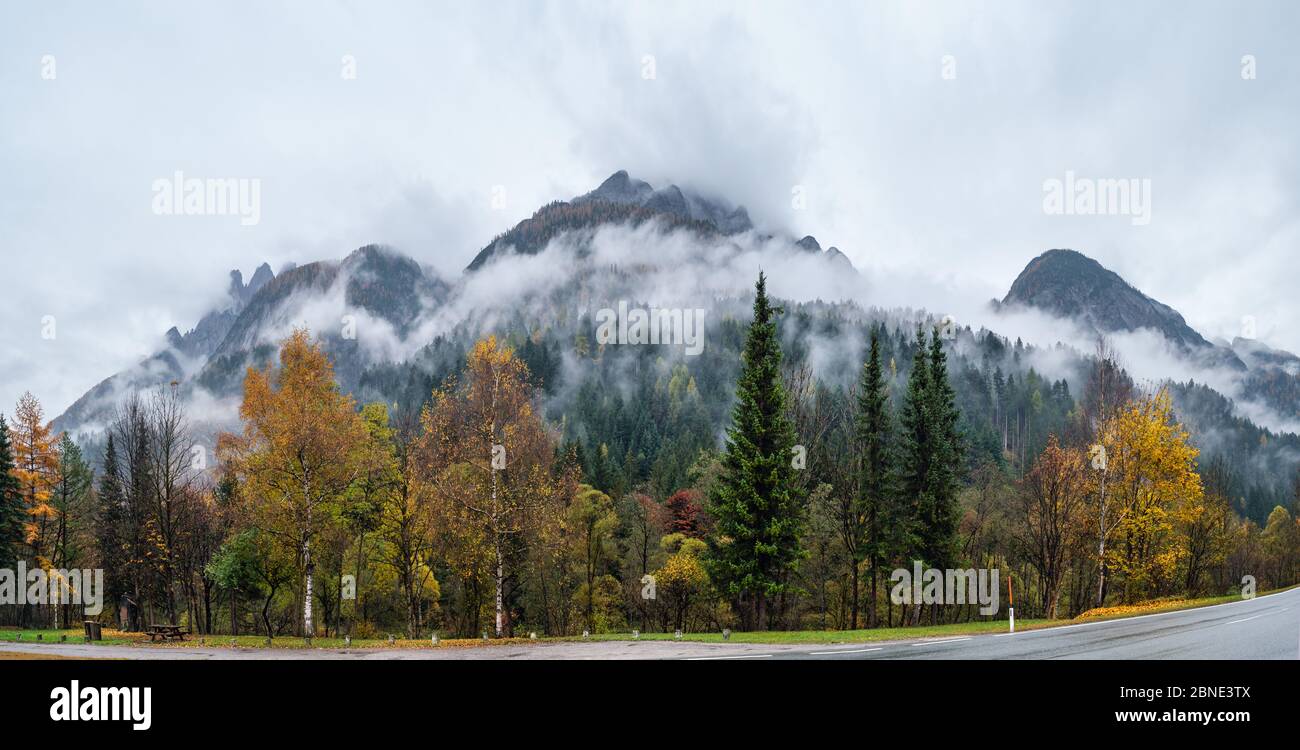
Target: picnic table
(165, 633)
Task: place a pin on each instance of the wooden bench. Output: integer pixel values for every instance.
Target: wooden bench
(165, 633)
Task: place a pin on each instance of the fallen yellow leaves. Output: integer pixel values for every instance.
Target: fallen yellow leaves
(1128, 610)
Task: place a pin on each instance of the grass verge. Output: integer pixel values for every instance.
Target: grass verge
(839, 636)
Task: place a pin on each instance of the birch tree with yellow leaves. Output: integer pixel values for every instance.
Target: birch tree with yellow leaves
(299, 452)
(486, 460)
(1151, 478)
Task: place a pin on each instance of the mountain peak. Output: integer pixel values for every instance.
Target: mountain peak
(623, 198)
(1069, 284)
(240, 292)
(261, 276)
(810, 244)
(623, 189)
(619, 188)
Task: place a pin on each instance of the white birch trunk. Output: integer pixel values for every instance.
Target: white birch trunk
(1101, 544)
(307, 564)
(500, 570)
(496, 511)
(501, 609)
(306, 602)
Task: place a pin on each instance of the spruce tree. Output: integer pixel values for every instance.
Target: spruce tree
(914, 454)
(11, 502)
(109, 517)
(757, 503)
(940, 516)
(70, 503)
(875, 476)
(932, 454)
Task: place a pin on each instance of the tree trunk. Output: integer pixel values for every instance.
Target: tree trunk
(853, 618)
(266, 613)
(207, 607)
(1101, 546)
(874, 617)
(1051, 594)
(500, 589)
(356, 600)
(306, 599)
(412, 601)
(498, 541)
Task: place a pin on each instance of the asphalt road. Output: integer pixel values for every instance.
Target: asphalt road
(1267, 627)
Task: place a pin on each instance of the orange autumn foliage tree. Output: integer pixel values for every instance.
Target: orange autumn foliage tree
(36, 467)
(1049, 515)
(485, 460)
(299, 453)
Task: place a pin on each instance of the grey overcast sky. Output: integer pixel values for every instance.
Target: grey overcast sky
(919, 133)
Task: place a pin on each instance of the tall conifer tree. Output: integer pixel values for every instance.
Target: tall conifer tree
(110, 515)
(932, 454)
(757, 503)
(940, 515)
(876, 492)
(12, 515)
(914, 452)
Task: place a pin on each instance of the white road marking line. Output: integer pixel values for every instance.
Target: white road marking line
(846, 651)
(932, 643)
(743, 656)
(1234, 622)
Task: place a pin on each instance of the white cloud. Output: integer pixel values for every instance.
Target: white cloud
(937, 182)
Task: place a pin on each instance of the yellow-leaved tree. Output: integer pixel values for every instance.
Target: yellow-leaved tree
(36, 467)
(485, 460)
(682, 579)
(1206, 528)
(1151, 479)
(1281, 542)
(300, 451)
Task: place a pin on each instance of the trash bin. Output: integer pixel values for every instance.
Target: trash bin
(94, 630)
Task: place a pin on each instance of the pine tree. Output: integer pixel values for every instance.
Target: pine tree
(12, 514)
(757, 503)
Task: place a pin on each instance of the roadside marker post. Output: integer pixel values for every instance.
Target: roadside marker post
(1011, 604)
